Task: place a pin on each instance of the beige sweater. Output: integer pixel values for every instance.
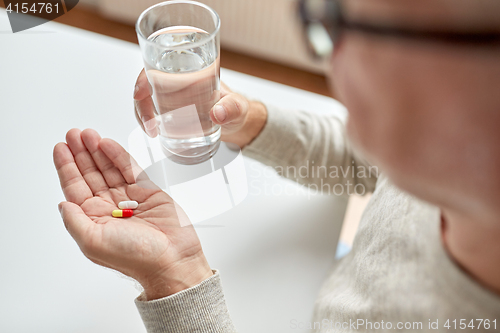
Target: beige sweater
(397, 277)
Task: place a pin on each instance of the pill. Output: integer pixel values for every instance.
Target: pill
(128, 205)
(122, 213)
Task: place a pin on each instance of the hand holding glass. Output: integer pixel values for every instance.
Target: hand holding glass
(179, 41)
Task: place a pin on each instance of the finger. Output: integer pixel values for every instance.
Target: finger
(74, 186)
(122, 160)
(142, 87)
(78, 224)
(111, 174)
(144, 112)
(85, 162)
(231, 108)
(143, 104)
(224, 90)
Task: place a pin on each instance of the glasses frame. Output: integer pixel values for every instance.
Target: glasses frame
(333, 20)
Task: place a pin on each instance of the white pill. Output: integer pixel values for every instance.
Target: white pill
(128, 205)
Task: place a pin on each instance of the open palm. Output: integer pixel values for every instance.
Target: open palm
(157, 246)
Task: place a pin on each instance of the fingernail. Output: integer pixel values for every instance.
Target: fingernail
(60, 208)
(220, 113)
(136, 90)
(149, 124)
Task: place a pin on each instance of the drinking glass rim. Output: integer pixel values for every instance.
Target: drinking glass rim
(185, 46)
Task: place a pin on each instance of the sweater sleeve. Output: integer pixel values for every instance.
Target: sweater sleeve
(199, 309)
(312, 149)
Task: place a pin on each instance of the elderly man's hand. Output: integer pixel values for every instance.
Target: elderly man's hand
(241, 120)
(152, 246)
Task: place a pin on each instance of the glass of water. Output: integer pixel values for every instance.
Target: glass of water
(179, 41)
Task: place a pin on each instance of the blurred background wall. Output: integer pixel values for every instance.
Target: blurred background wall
(267, 29)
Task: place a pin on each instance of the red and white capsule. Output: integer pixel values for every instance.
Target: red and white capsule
(123, 213)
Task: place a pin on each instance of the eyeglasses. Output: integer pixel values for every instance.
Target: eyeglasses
(323, 22)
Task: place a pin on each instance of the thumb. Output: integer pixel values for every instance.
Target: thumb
(230, 108)
(76, 221)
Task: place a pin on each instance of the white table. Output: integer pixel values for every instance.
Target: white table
(273, 250)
